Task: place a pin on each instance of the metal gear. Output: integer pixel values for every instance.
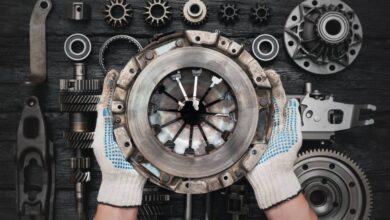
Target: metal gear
(323, 36)
(229, 13)
(261, 14)
(157, 13)
(118, 13)
(334, 185)
(194, 12)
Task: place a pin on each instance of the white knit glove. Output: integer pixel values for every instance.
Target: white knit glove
(121, 185)
(273, 179)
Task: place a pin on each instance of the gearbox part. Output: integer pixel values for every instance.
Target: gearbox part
(229, 13)
(261, 14)
(194, 12)
(118, 13)
(334, 185)
(79, 11)
(158, 13)
(202, 94)
(265, 47)
(323, 36)
(111, 40)
(77, 47)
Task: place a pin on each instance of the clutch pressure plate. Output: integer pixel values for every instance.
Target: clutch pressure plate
(191, 111)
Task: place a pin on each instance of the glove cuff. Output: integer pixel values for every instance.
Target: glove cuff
(271, 186)
(121, 189)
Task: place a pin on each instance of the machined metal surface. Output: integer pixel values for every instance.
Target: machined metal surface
(106, 45)
(323, 36)
(157, 13)
(194, 12)
(334, 185)
(79, 11)
(39, 14)
(190, 82)
(35, 165)
(77, 47)
(229, 13)
(118, 13)
(265, 47)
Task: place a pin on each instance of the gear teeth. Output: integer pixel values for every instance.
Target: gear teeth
(195, 21)
(261, 14)
(79, 145)
(69, 98)
(229, 13)
(79, 136)
(81, 177)
(120, 21)
(153, 20)
(80, 163)
(78, 108)
(74, 85)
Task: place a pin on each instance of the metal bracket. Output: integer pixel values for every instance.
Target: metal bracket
(322, 116)
(35, 165)
(79, 11)
(38, 42)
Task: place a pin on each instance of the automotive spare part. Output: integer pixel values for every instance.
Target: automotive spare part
(79, 11)
(229, 13)
(39, 14)
(265, 47)
(77, 47)
(261, 14)
(158, 13)
(118, 13)
(107, 44)
(195, 105)
(35, 165)
(323, 36)
(194, 12)
(334, 185)
(322, 116)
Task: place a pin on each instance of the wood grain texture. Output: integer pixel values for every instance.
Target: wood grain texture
(366, 81)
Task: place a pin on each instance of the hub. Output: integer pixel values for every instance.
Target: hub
(192, 116)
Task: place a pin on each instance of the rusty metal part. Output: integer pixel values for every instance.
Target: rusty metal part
(157, 13)
(194, 12)
(156, 67)
(124, 16)
(35, 165)
(40, 12)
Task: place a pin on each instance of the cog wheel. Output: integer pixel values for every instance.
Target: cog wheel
(157, 13)
(229, 13)
(261, 14)
(194, 12)
(334, 185)
(118, 13)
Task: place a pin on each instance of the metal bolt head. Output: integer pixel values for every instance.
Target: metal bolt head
(180, 43)
(149, 55)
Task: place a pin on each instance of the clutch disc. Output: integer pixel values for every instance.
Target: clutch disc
(191, 111)
(334, 185)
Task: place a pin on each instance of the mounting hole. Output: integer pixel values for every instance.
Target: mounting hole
(305, 167)
(119, 107)
(306, 64)
(31, 102)
(234, 51)
(332, 166)
(265, 47)
(261, 12)
(315, 3)
(291, 43)
(356, 26)
(195, 9)
(157, 11)
(127, 144)
(78, 47)
(132, 71)
(333, 27)
(324, 181)
(352, 52)
(332, 67)
(294, 18)
(197, 38)
(340, 6)
(352, 211)
(229, 11)
(225, 177)
(223, 42)
(187, 185)
(44, 5)
(117, 11)
(318, 197)
(78, 9)
(258, 79)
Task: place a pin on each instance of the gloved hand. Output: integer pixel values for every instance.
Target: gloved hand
(121, 185)
(273, 179)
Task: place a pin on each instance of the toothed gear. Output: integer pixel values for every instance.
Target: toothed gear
(261, 14)
(74, 85)
(79, 145)
(80, 163)
(77, 98)
(334, 185)
(194, 12)
(79, 136)
(121, 20)
(81, 177)
(78, 107)
(229, 13)
(157, 20)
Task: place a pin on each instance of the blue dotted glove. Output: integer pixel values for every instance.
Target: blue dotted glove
(273, 179)
(121, 184)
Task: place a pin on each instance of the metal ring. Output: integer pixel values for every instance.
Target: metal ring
(265, 56)
(106, 44)
(77, 56)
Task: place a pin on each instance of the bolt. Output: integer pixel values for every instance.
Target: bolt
(317, 118)
(149, 55)
(180, 43)
(165, 178)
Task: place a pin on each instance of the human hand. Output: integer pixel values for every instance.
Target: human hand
(121, 185)
(273, 178)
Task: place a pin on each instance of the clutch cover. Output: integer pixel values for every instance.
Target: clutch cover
(191, 111)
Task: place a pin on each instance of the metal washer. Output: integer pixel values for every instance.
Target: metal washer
(265, 38)
(77, 56)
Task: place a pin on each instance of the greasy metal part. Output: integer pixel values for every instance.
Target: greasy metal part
(35, 165)
(194, 12)
(124, 10)
(323, 36)
(79, 11)
(158, 13)
(155, 204)
(111, 40)
(39, 14)
(225, 65)
(77, 47)
(188, 211)
(265, 47)
(79, 97)
(261, 14)
(334, 185)
(229, 13)
(322, 116)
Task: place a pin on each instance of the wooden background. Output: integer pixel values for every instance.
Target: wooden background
(366, 81)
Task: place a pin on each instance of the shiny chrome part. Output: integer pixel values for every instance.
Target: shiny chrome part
(265, 47)
(334, 185)
(323, 36)
(194, 151)
(77, 47)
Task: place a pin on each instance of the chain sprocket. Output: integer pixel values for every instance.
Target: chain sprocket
(118, 20)
(163, 9)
